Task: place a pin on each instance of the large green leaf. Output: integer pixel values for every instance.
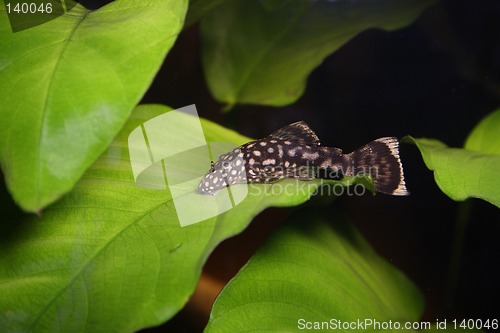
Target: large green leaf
(68, 86)
(317, 268)
(261, 52)
(472, 172)
(111, 256)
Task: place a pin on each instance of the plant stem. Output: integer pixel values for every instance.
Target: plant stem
(462, 219)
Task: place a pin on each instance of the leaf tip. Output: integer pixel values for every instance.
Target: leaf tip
(228, 107)
(408, 139)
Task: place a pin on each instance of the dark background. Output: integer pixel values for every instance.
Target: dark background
(436, 78)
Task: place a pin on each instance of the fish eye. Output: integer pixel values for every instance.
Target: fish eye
(225, 165)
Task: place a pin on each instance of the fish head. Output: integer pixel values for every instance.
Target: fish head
(227, 171)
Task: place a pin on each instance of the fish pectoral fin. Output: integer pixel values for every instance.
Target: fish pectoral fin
(273, 180)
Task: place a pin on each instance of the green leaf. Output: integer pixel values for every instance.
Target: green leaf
(471, 172)
(261, 52)
(316, 268)
(68, 86)
(461, 173)
(111, 256)
(485, 137)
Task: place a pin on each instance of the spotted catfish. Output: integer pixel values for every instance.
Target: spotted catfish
(295, 151)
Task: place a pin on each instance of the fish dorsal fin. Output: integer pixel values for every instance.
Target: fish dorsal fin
(298, 132)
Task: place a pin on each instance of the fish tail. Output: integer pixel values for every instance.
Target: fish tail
(380, 160)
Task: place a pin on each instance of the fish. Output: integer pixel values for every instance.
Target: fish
(295, 151)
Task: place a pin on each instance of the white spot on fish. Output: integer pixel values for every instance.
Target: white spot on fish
(273, 141)
(269, 161)
(326, 163)
(270, 150)
(287, 164)
(216, 179)
(238, 162)
(251, 161)
(263, 143)
(207, 183)
(291, 152)
(233, 172)
(310, 156)
(256, 153)
(280, 151)
(288, 143)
